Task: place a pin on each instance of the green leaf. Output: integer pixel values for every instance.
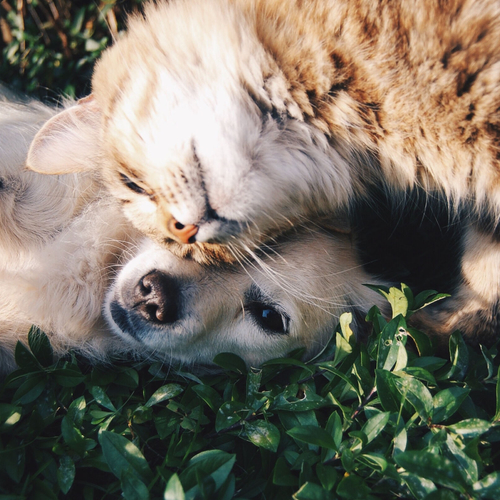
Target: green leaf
(229, 414)
(102, 398)
(496, 418)
(263, 434)
(231, 362)
(174, 489)
(419, 486)
(313, 435)
(374, 461)
(447, 402)
(30, 389)
(435, 468)
(387, 391)
(353, 487)
(375, 425)
(421, 374)
(309, 400)
(342, 350)
(40, 346)
(311, 491)
(459, 356)
(66, 473)
(76, 411)
(392, 341)
(122, 455)
(168, 391)
(417, 394)
(488, 487)
(455, 451)
(215, 464)
(254, 399)
(471, 427)
(282, 475)
(72, 436)
(209, 395)
(13, 460)
(9, 415)
(127, 378)
(422, 342)
(334, 428)
(68, 377)
(427, 297)
(25, 359)
(396, 298)
(327, 475)
(133, 488)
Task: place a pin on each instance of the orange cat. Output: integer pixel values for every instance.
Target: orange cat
(220, 123)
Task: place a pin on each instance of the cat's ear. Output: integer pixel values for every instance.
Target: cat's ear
(69, 141)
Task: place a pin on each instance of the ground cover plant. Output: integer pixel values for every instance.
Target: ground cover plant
(49, 46)
(361, 421)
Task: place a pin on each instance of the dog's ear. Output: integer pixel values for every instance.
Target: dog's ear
(69, 141)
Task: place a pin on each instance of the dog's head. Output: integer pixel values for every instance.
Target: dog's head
(291, 296)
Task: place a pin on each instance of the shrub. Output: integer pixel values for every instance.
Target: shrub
(358, 422)
(49, 47)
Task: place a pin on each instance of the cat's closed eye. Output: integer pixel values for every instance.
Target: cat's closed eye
(131, 184)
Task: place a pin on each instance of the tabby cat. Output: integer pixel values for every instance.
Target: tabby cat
(219, 124)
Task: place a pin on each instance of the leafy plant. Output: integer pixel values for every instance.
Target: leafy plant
(49, 47)
(376, 420)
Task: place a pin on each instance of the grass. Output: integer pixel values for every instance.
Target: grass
(374, 421)
(360, 422)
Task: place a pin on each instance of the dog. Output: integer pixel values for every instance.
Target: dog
(67, 248)
(219, 124)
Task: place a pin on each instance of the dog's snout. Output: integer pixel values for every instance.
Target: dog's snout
(184, 233)
(156, 298)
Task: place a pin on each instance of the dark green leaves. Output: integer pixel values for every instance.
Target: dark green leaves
(372, 421)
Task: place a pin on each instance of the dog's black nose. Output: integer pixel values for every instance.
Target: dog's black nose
(156, 298)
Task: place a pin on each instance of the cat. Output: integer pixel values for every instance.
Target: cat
(219, 124)
(66, 249)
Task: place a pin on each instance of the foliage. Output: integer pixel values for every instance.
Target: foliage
(361, 421)
(49, 46)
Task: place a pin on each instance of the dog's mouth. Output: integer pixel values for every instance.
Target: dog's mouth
(123, 321)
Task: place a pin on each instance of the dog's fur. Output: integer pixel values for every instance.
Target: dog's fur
(63, 240)
(243, 117)
(60, 238)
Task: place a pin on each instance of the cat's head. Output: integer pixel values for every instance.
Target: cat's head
(197, 134)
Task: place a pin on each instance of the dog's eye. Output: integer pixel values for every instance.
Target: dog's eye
(131, 184)
(269, 318)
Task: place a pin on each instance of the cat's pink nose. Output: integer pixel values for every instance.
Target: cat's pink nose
(184, 233)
